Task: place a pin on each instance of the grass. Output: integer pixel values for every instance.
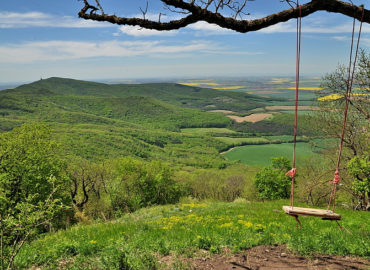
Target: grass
(139, 240)
(261, 154)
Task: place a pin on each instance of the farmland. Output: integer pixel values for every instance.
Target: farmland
(261, 154)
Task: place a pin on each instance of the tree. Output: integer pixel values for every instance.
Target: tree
(31, 187)
(329, 119)
(356, 141)
(88, 189)
(213, 11)
(271, 182)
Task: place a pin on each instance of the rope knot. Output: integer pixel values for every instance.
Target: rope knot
(291, 173)
(336, 178)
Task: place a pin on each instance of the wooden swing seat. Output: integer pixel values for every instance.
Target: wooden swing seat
(324, 214)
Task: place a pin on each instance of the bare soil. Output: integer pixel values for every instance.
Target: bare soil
(253, 118)
(276, 257)
(265, 258)
(222, 111)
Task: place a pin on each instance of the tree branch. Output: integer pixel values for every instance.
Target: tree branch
(197, 13)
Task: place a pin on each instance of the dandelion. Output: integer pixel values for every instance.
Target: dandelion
(247, 224)
(92, 242)
(226, 225)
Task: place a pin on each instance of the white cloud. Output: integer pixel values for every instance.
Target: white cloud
(209, 28)
(39, 19)
(340, 38)
(137, 31)
(313, 26)
(201, 28)
(65, 50)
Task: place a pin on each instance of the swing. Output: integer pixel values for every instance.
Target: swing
(325, 214)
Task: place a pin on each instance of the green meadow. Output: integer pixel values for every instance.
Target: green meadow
(141, 239)
(262, 154)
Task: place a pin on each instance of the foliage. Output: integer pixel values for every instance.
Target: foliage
(279, 124)
(216, 185)
(31, 186)
(271, 182)
(175, 94)
(138, 184)
(359, 168)
(97, 121)
(181, 230)
(89, 190)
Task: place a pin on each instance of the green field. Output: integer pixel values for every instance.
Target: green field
(139, 240)
(261, 154)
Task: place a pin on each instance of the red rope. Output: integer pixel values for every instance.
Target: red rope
(351, 73)
(292, 172)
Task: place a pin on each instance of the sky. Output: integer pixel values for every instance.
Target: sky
(45, 38)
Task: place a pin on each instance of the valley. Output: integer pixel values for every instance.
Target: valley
(99, 121)
(175, 166)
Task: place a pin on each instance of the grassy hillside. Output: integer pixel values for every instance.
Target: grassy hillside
(141, 239)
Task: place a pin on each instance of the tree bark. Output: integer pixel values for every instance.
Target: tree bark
(197, 13)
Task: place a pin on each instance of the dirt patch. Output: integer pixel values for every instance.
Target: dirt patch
(253, 118)
(222, 111)
(274, 257)
(288, 108)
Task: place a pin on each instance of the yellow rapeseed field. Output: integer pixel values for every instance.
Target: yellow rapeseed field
(229, 87)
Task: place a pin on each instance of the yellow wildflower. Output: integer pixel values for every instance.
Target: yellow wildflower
(226, 225)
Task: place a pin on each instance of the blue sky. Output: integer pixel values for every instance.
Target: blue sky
(44, 38)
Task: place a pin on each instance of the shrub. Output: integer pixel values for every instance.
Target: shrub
(31, 187)
(139, 184)
(359, 168)
(217, 186)
(271, 182)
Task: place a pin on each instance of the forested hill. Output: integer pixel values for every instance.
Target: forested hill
(176, 94)
(99, 121)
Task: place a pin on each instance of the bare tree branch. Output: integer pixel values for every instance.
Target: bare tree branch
(200, 12)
